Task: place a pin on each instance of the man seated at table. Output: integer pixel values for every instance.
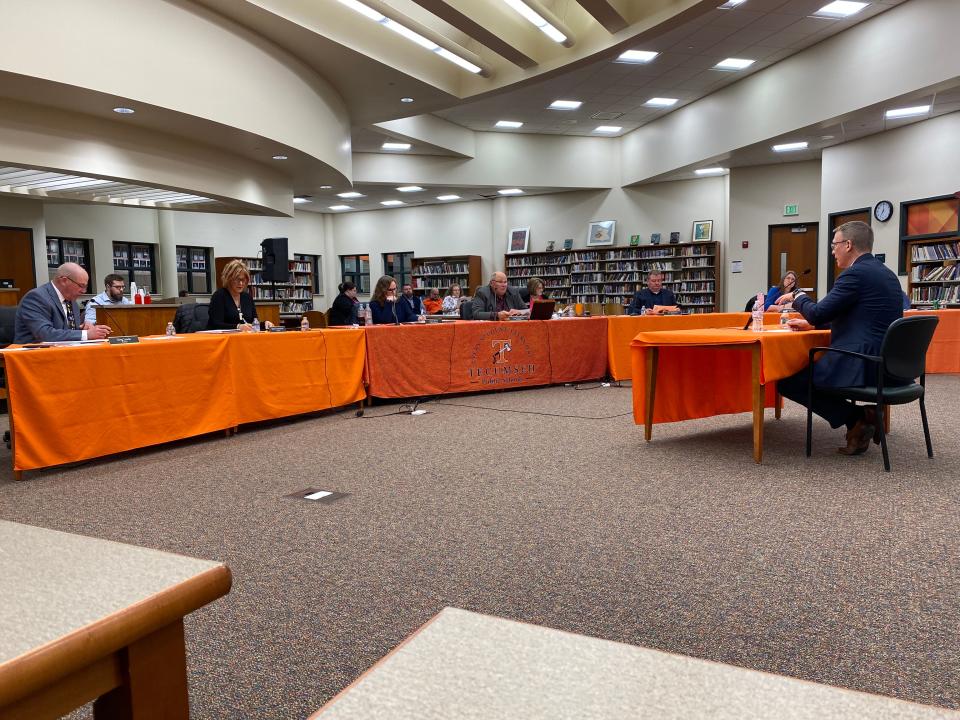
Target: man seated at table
(50, 312)
(497, 301)
(113, 288)
(866, 298)
(654, 297)
(412, 301)
(432, 303)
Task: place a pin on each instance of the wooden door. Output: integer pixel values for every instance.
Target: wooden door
(836, 220)
(794, 247)
(16, 258)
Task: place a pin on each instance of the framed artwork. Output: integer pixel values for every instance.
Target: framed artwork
(517, 240)
(550, 245)
(675, 237)
(634, 240)
(702, 230)
(655, 239)
(568, 244)
(601, 232)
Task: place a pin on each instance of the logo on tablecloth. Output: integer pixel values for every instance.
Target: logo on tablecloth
(501, 356)
(502, 347)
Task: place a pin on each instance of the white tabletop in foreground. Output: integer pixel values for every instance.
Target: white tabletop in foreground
(463, 665)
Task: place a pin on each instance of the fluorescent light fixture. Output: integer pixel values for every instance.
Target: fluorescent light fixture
(410, 188)
(734, 64)
(349, 195)
(364, 10)
(537, 19)
(301, 199)
(660, 102)
(340, 207)
(710, 171)
(907, 112)
(637, 56)
(391, 202)
(279, 157)
(457, 60)
(79, 182)
(410, 34)
(124, 110)
(840, 9)
(406, 100)
(790, 147)
(326, 187)
(607, 129)
(448, 197)
(396, 146)
(511, 191)
(730, 4)
(508, 124)
(565, 104)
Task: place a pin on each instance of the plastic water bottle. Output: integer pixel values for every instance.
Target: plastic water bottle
(368, 316)
(256, 324)
(171, 330)
(757, 314)
(304, 324)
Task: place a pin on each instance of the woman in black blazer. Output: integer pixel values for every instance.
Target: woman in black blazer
(344, 308)
(231, 307)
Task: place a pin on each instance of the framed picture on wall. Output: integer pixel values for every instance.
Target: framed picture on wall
(518, 240)
(674, 237)
(654, 238)
(702, 230)
(601, 232)
(634, 240)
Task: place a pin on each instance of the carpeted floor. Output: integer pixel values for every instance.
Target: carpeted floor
(825, 568)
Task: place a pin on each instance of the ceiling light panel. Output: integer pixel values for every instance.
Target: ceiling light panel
(710, 171)
(396, 146)
(660, 102)
(608, 129)
(508, 124)
(351, 194)
(511, 191)
(907, 112)
(448, 197)
(790, 147)
(340, 207)
(637, 56)
(734, 64)
(410, 188)
(391, 203)
(840, 9)
(565, 104)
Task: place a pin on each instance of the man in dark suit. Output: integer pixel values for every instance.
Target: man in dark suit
(497, 301)
(50, 312)
(866, 298)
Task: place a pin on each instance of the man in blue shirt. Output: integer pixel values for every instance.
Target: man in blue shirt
(653, 294)
(114, 287)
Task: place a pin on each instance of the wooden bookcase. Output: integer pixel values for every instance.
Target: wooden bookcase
(933, 272)
(613, 275)
(441, 272)
(295, 296)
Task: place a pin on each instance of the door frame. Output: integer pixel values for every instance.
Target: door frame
(33, 252)
(816, 249)
(869, 211)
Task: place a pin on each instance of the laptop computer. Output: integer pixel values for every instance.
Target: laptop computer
(542, 309)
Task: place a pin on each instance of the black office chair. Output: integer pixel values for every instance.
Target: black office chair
(8, 316)
(901, 360)
(466, 310)
(191, 318)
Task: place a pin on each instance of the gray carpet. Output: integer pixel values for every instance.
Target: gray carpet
(826, 569)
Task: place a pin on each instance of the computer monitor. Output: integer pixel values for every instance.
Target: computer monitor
(542, 309)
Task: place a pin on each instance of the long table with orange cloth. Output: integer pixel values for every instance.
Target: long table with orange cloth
(473, 356)
(687, 374)
(75, 403)
(943, 355)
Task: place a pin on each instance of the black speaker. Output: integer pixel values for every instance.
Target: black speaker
(276, 267)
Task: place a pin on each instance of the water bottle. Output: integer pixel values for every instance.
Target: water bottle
(757, 314)
(171, 330)
(304, 324)
(784, 316)
(256, 324)
(368, 316)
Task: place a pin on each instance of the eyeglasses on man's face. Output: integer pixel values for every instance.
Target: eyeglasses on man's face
(121, 286)
(82, 286)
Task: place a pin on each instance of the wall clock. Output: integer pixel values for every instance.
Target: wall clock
(883, 210)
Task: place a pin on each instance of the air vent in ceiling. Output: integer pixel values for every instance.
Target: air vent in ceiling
(606, 115)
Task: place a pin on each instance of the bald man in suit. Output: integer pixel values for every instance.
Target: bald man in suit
(50, 312)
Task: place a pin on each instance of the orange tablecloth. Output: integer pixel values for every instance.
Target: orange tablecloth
(943, 356)
(75, 403)
(696, 379)
(422, 360)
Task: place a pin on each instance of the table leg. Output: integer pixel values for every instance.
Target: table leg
(155, 680)
(758, 391)
(778, 405)
(652, 356)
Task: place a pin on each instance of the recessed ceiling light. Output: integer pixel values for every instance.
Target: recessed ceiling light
(734, 64)
(730, 4)
(301, 199)
(124, 110)
(448, 197)
(340, 207)
(907, 112)
(827, 137)
(326, 187)
(660, 102)
(406, 100)
(790, 147)
(537, 19)
(840, 9)
(511, 191)
(350, 194)
(636, 56)
(391, 202)
(508, 124)
(396, 146)
(410, 188)
(710, 171)
(565, 104)
(607, 129)
(279, 157)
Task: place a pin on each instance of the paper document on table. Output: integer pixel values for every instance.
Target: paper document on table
(71, 343)
(162, 337)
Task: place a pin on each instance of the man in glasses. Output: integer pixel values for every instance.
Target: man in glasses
(113, 289)
(50, 312)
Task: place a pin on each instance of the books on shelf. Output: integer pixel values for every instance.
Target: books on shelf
(933, 271)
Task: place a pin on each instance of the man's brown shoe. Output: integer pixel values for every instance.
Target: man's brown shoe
(858, 439)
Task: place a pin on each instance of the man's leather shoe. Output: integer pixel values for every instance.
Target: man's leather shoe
(858, 439)
(870, 417)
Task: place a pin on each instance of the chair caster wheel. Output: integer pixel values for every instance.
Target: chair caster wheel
(359, 413)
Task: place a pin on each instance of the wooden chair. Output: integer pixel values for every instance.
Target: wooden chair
(613, 309)
(316, 318)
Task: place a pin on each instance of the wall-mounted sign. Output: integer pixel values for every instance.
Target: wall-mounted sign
(791, 210)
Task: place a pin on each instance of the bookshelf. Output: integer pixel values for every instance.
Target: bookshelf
(295, 296)
(933, 272)
(613, 275)
(441, 272)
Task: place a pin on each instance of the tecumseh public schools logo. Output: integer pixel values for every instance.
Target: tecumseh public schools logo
(502, 357)
(502, 347)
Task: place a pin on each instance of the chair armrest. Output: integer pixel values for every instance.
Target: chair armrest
(862, 356)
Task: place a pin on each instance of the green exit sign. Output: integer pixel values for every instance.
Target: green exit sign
(789, 210)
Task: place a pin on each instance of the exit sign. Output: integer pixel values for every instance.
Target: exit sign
(789, 210)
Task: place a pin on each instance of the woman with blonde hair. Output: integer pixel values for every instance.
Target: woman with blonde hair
(231, 307)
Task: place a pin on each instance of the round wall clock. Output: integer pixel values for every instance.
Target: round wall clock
(883, 210)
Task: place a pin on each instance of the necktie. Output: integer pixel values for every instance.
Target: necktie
(71, 320)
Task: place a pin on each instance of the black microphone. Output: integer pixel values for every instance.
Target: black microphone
(393, 307)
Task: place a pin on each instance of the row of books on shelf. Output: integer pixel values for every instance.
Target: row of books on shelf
(443, 268)
(518, 261)
(935, 273)
(296, 307)
(262, 293)
(539, 271)
(928, 293)
(423, 283)
(936, 251)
